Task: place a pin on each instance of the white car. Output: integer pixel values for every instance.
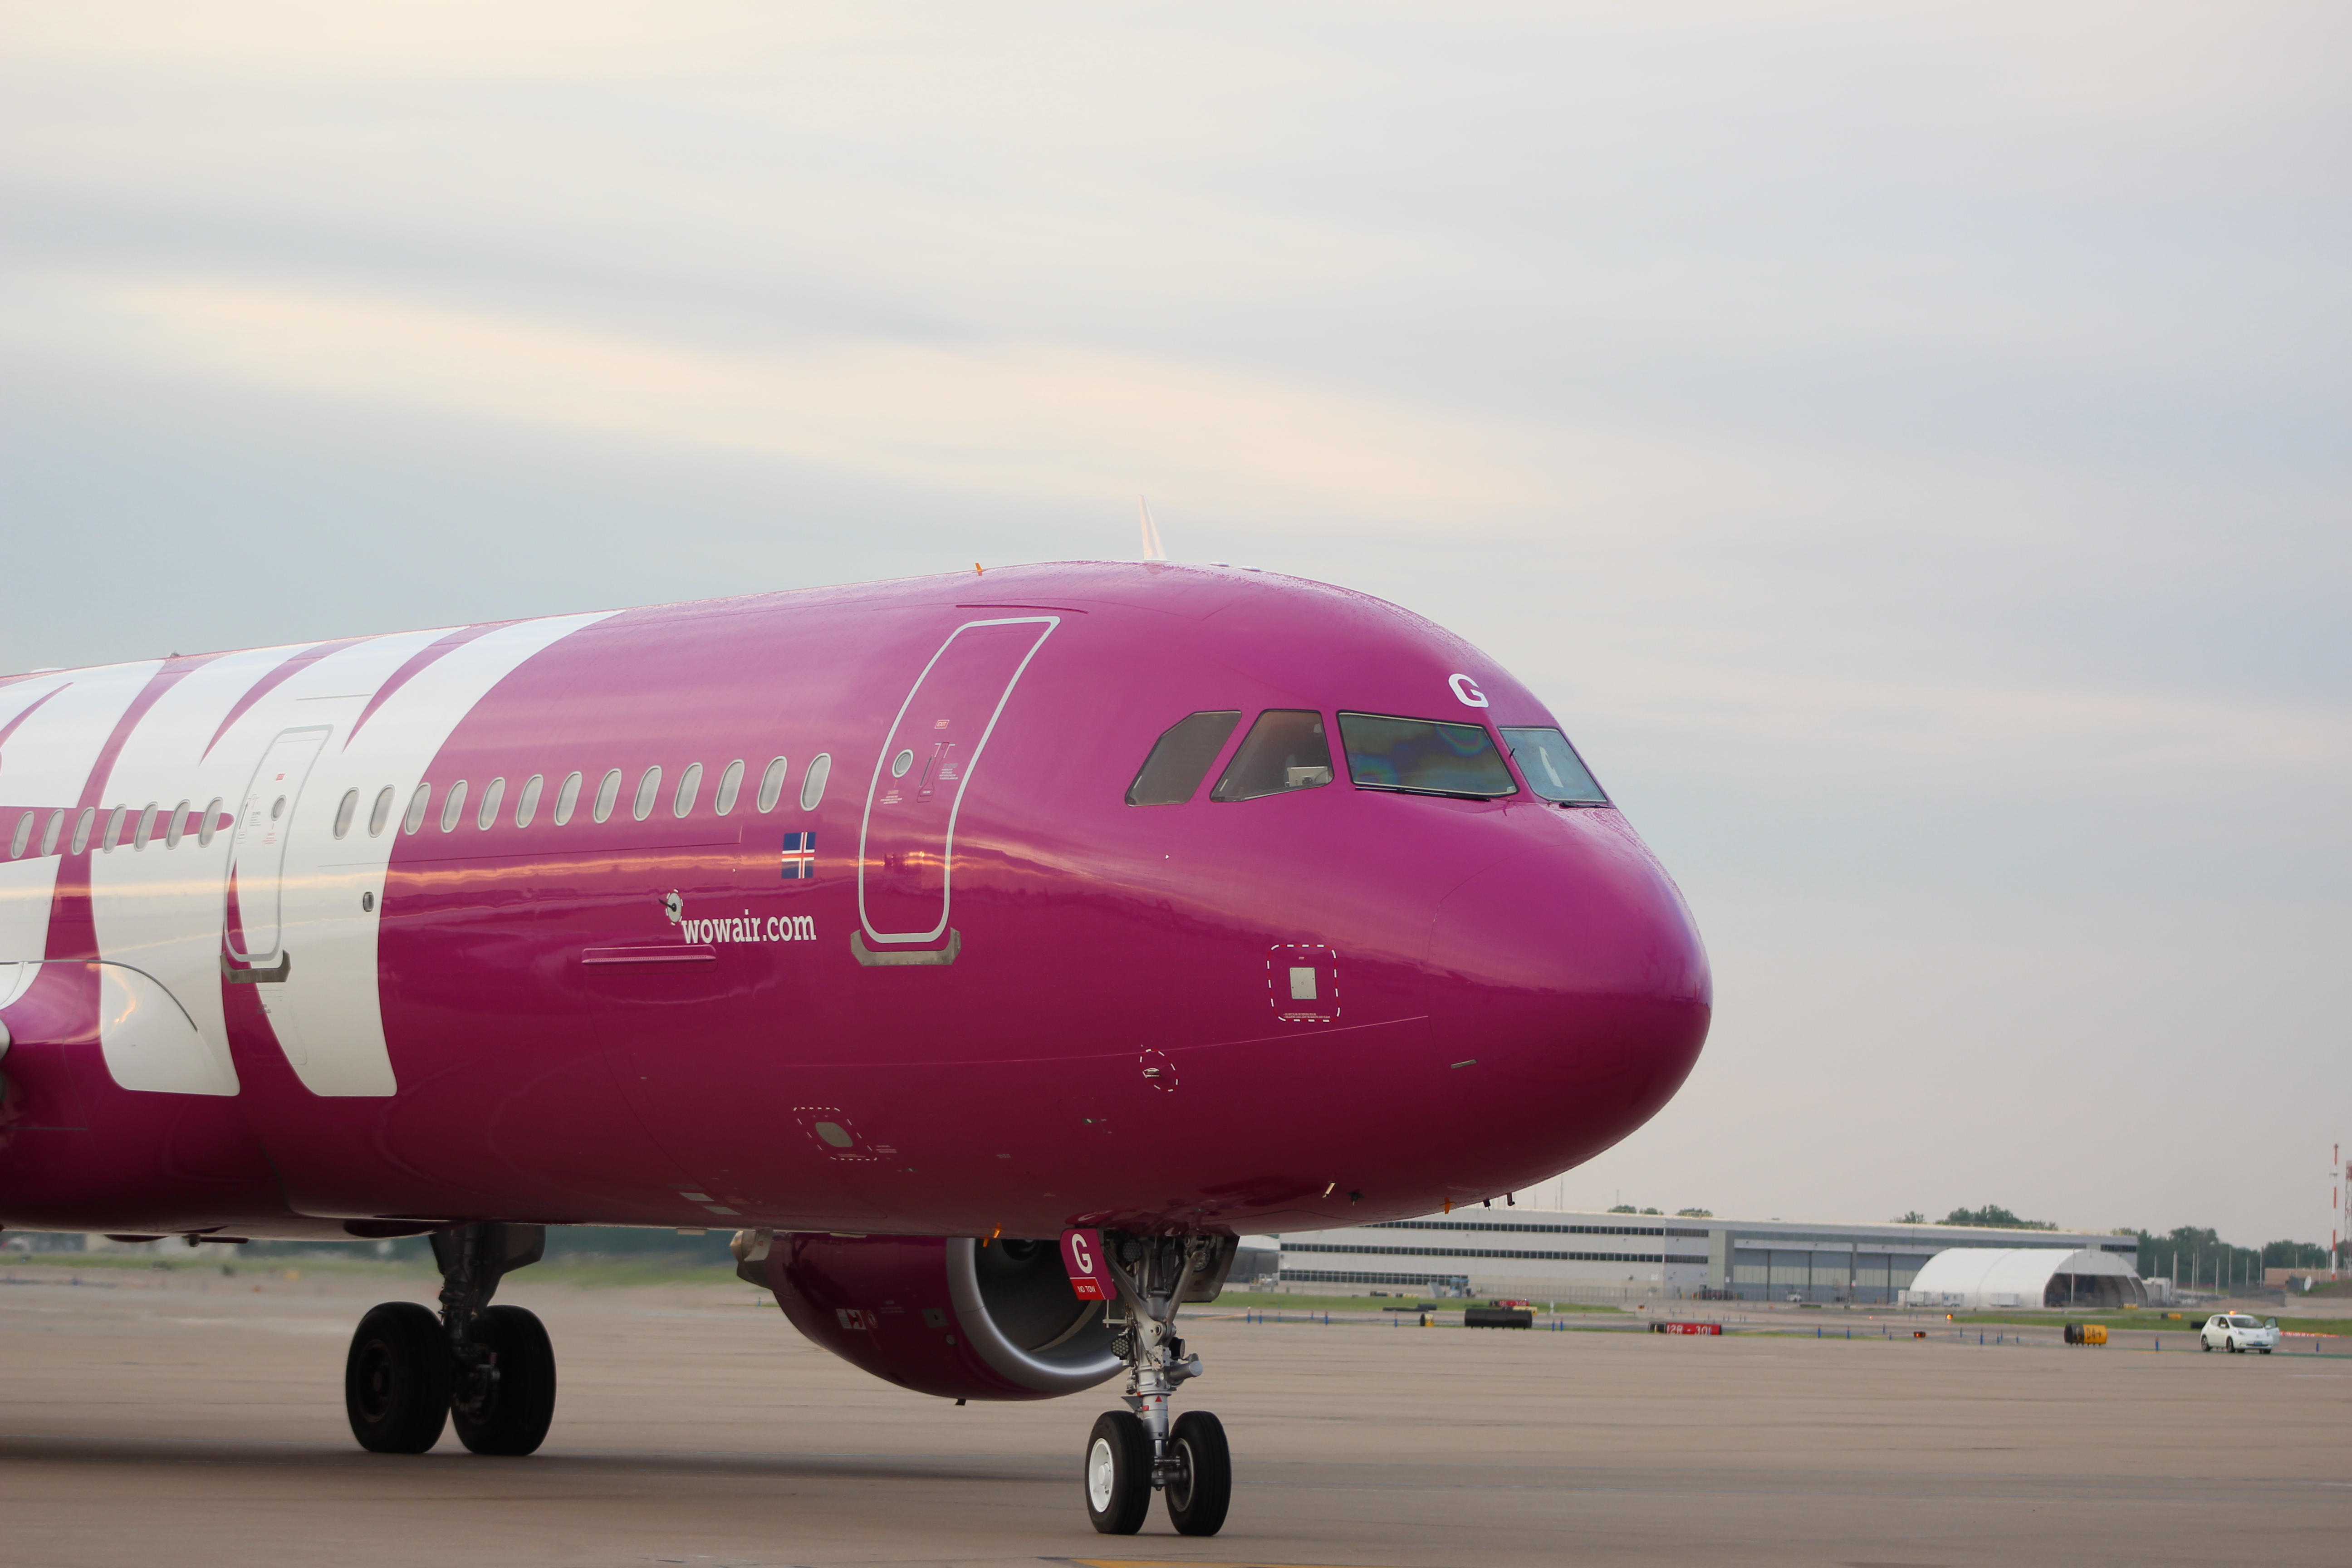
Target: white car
(2237, 1331)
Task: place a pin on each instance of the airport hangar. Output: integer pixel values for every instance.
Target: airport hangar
(1569, 1256)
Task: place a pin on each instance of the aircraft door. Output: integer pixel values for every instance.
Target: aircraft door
(907, 844)
(256, 856)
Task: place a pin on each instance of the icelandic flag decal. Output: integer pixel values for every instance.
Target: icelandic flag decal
(800, 856)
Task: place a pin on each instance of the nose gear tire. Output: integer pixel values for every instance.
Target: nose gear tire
(1201, 1488)
(1117, 1473)
(513, 1419)
(396, 1380)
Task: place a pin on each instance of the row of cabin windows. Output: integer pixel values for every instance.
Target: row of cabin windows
(176, 826)
(178, 823)
(642, 803)
(1286, 749)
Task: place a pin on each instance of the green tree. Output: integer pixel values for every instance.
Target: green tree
(1909, 1216)
(1694, 1213)
(1994, 1214)
(2294, 1254)
(2199, 1259)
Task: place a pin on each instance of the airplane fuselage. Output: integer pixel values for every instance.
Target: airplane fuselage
(813, 912)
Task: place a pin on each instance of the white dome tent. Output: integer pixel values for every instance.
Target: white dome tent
(1977, 1277)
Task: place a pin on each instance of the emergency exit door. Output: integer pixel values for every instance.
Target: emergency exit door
(250, 924)
(906, 853)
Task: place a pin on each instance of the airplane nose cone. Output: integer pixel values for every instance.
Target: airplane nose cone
(1571, 978)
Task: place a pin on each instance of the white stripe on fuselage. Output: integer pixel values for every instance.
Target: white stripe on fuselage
(46, 762)
(328, 1014)
(159, 909)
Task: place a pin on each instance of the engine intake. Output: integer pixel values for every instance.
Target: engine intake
(943, 1315)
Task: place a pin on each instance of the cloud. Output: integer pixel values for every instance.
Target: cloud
(1008, 417)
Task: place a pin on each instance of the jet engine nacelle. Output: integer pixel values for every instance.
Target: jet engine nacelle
(950, 1316)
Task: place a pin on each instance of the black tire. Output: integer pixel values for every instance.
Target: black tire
(2266, 1349)
(1117, 1474)
(1202, 1487)
(396, 1380)
(515, 1422)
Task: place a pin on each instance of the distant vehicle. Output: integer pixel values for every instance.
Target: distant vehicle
(2237, 1331)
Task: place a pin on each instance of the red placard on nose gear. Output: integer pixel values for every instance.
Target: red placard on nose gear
(1081, 1256)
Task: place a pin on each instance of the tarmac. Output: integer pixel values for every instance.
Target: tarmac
(195, 1418)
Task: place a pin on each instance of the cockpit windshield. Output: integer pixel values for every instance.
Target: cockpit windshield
(1552, 768)
(1285, 750)
(1182, 759)
(1422, 756)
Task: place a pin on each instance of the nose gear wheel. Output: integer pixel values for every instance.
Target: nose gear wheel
(1119, 1473)
(1199, 1486)
(1134, 1452)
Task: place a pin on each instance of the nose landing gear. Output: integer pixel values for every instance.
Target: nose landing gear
(1134, 1452)
(489, 1369)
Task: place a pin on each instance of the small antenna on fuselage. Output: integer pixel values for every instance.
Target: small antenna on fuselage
(1152, 550)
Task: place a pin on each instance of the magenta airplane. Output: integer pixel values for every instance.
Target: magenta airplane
(987, 952)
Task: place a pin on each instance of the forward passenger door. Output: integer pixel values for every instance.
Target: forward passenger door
(907, 841)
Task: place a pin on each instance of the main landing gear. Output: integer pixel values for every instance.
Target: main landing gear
(489, 1370)
(1135, 1452)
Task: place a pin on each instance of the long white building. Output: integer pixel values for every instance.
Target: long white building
(1565, 1255)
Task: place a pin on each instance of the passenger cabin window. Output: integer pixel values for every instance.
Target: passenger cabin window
(689, 784)
(1420, 756)
(211, 824)
(772, 785)
(648, 791)
(528, 806)
(345, 809)
(820, 769)
(176, 826)
(415, 819)
(1552, 768)
(380, 813)
(608, 793)
(50, 834)
(566, 799)
(23, 838)
(1286, 750)
(113, 829)
(453, 808)
(146, 828)
(81, 828)
(730, 785)
(492, 799)
(1181, 758)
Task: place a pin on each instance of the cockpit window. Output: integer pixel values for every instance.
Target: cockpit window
(1180, 759)
(1422, 756)
(1285, 750)
(1552, 768)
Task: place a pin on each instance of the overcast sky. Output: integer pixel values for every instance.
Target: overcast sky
(1906, 444)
